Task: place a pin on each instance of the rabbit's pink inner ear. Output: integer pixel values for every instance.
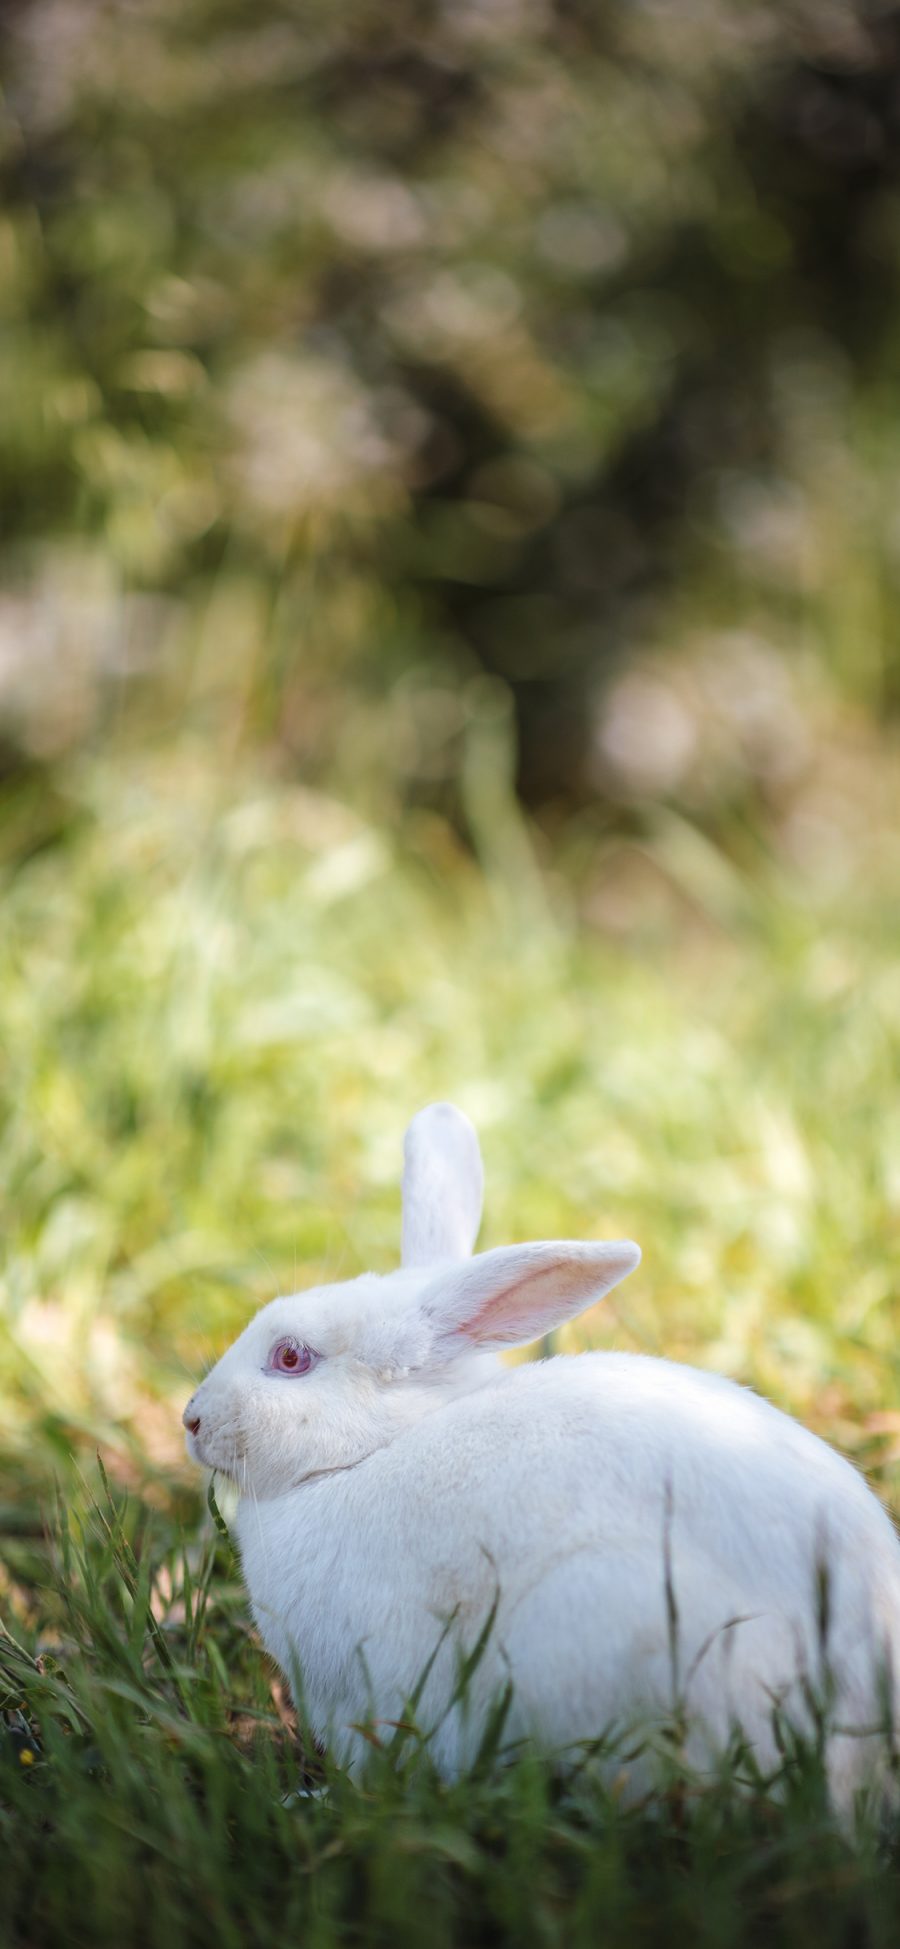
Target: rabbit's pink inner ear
(502, 1321)
(509, 1297)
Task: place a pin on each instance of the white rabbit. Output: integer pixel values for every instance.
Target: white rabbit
(651, 1537)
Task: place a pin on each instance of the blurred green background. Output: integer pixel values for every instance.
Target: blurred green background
(449, 645)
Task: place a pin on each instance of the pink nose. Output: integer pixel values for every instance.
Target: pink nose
(191, 1421)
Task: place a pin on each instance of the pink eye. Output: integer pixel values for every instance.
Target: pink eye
(290, 1357)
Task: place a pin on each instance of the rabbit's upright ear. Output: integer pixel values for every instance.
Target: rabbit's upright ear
(443, 1186)
(517, 1293)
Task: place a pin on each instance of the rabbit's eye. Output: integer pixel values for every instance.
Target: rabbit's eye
(290, 1357)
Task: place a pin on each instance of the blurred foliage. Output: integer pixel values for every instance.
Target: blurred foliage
(400, 409)
(351, 352)
(406, 411)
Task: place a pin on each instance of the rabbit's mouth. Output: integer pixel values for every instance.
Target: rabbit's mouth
(224, 1457)
(195, 1451)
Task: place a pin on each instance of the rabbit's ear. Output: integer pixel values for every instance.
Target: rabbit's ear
(443, 1186)
(510, 1296)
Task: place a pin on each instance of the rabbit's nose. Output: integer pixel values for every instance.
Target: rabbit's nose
(190, 1419)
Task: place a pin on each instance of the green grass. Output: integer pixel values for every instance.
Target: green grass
(148, 1794)
(220, 1000)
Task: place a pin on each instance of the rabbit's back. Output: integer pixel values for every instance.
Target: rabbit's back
(649, 1534)
(671, 1539)
(632, 1452)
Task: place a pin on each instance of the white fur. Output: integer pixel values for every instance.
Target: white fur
(443, 1186)
(653, 1537)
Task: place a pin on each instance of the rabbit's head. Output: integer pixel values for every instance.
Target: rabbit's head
(321, 1379)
